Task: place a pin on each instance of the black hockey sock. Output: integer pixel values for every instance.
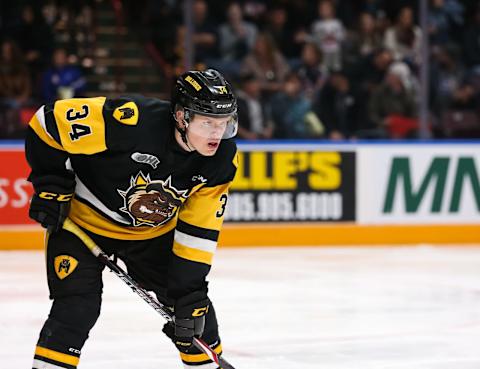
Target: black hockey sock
(65, 331)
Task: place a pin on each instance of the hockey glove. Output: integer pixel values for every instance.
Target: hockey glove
(51, 202)
(189, 320)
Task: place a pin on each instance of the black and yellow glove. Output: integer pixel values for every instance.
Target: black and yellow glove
(51, 201)
(189, 320)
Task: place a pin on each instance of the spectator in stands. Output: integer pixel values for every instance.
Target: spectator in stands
(255, 10)
(237, 38)
(50, 13)
(444, 17)
(267, 64)
(471, 44)
(283, 34)
(374, 7)
(404, 38)
(336, 107)
(363, 41)
(293, 114)
(15, 88)
(465, 97)
(404, 72)
(163, 41)
(253, 115)
(34, 37)
(445, 77)
(14, 81)
(84, 36)
(311, 70)
(205, 38)
(392, 107)
(371, 72)
(61, 80)
(462, 118)
(365, 77)
(328, 33)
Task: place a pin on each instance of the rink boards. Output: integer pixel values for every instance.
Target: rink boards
(311, 193)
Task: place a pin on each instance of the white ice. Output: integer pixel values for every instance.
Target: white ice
(281, 308)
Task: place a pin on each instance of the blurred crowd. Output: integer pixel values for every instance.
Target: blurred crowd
(328, 69)
(44, 46)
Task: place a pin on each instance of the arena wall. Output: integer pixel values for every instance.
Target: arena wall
(310, 193)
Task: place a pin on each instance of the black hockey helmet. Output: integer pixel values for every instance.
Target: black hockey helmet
(206, 93)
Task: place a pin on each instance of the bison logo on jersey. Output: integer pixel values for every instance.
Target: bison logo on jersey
(151, 202)
(127, 113)
(64, 265)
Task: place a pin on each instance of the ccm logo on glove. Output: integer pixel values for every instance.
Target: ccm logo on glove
(55, 196)
(200, 312)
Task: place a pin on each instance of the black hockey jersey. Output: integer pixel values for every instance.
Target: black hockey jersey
(133, 180)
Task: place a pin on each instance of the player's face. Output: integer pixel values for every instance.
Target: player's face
(205, 133)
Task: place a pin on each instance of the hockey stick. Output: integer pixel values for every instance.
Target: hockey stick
(149, 299)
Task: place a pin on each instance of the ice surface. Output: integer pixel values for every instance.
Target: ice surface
(281, 308)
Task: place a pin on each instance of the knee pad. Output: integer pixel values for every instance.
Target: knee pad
(70, 321)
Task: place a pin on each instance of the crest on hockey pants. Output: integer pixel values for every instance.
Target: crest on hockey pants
(151, 202)
(64, 265)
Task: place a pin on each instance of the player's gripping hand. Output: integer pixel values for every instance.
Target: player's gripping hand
(51, 201)
(189, 319)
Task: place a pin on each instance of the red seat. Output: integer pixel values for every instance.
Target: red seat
(26, 114)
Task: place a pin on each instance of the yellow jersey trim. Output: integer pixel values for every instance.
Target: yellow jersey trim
(57, 356)
(192, 254)
(198, 358)
(235, 160)
(92, 221)
(44, 136)
(208, 199)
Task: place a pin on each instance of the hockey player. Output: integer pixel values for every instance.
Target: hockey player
(148, 180)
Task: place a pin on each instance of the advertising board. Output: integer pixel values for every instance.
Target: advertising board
(15, 191)
(418, 184)
(293, 186)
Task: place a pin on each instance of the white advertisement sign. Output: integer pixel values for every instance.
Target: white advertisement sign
(418, 184)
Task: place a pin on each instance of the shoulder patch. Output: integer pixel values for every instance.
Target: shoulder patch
(127, 113)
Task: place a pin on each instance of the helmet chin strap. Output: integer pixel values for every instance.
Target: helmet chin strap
(184, 135)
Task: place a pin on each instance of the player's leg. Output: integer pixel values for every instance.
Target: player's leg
(148, 262)
(75, 284)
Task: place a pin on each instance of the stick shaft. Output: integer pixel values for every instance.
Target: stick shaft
(129, 281)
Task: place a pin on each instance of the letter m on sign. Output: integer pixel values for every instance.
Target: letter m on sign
(400, 178)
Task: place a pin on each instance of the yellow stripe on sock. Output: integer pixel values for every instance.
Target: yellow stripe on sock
(57, 356)
(198, 358)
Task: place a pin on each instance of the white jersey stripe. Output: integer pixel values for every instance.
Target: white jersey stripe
(40, 114)
(82, 191)
(195, 242)
(39, 364)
